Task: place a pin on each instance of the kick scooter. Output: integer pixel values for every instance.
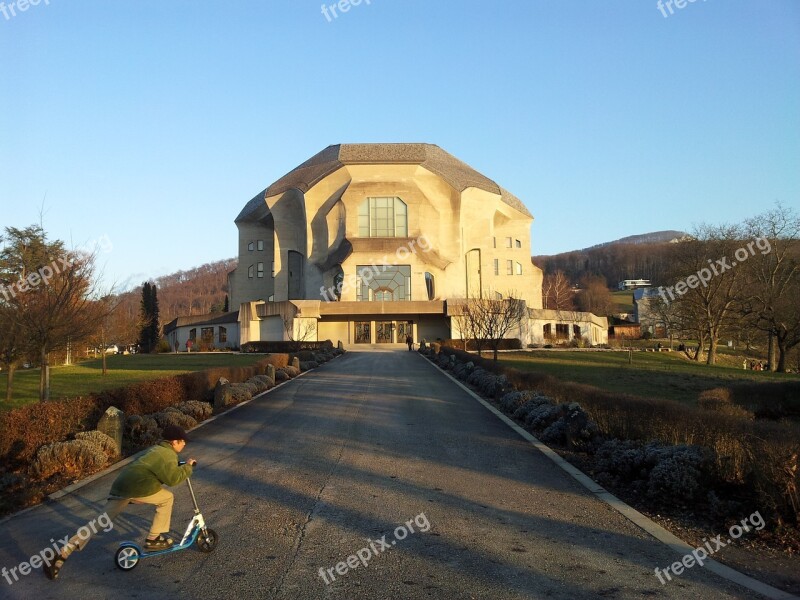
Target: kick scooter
(129, 553)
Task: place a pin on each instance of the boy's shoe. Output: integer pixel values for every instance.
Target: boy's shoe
(52, 568)
(160, 543)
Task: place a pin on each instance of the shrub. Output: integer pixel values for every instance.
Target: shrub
(24, 430)
(285, 346)
(172, 416)
(199, 411)
(719, 400)
(101, 441)
(281, 375)
(141, 431)
(73, 458)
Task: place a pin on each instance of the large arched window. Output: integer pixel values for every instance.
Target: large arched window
(383, 217)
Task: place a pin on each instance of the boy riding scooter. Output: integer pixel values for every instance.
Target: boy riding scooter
(140, 482)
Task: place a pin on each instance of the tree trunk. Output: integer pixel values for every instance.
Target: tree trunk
(10, 382)
(712, 351)
(44, 377)
(774, 350)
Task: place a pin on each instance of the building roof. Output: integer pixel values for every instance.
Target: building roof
(200, 320)
(455, 172)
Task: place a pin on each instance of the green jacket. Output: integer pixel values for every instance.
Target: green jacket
(144, 476)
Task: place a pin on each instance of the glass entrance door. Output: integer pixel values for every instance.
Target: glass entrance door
(363, 332)
(383, 332)
(404, 329)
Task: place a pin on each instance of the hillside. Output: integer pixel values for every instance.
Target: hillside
(196, 291)
(644, 256)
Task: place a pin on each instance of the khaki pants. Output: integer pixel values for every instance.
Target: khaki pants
(162, 500)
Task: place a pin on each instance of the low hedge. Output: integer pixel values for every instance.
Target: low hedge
(505, 344)
(24, 430)
(760, 456)
(285, 346)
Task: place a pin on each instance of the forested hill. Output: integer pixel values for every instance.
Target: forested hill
(635, 257)
(195, 291)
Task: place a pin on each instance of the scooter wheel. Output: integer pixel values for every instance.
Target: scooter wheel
(127, 558)
(207, 542)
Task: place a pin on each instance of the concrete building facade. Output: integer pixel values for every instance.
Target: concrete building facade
(366, 243)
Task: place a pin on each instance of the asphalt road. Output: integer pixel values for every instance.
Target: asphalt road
(325, 466)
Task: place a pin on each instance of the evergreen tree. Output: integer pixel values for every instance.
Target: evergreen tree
(226, 306)
(149, 335)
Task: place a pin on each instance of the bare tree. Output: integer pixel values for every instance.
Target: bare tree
(594, 296)
(708, 285)
(557, 292)
(772, 304)
(299, 330)
(488, 320)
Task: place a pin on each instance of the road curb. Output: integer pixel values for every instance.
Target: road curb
(630, 513)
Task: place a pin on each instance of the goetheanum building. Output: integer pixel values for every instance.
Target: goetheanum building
(370, 243)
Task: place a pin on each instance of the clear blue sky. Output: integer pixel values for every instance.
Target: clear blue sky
(153, 123)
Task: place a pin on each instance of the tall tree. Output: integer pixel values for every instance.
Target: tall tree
(772, 303)
(49, 293)
(708, 284)
(594, 296)
(557, 293)
(151, 326)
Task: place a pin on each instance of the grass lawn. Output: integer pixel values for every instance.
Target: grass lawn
(87, 377)
(623, 301)
(651, 375)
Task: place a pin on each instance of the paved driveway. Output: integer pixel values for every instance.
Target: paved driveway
(343, 462)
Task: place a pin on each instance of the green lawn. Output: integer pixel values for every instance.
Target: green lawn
(87, 377)
(650, 375)
(623, 301)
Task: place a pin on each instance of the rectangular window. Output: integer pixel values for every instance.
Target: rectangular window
(260, 270)
(273, 269)
(223, 335)
(193, 334)
(250, 272)
(250, 246)
(562, 331)
(508, 242)
(497, 266)
(519, 269)
(494, 242)
(383, 217)
(260, 245)
(207, 334)
(518, 244)
(509, 267)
